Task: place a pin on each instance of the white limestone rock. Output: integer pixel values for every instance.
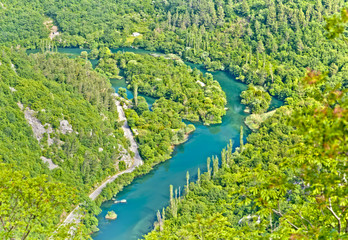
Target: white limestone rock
(51, 165)
(12, 89)
(65, 127)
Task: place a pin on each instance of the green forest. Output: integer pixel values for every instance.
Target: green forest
(61, 137)
(198, 98)
(279, 185)
(158, 130)
(63, 101)
(268, 43)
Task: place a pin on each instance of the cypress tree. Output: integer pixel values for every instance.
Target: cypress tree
(241, 139)
(187, 181)
(208, 167)
(199, 176)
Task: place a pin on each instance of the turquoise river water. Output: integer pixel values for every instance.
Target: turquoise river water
(150, 193)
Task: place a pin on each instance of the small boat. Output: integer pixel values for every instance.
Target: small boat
(121, 201)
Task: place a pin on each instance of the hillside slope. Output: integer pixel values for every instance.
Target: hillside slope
(59, 118)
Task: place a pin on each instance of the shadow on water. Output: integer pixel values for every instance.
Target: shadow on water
(150, 193)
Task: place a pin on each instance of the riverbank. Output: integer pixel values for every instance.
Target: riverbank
(147, 187)
(74, 217)
(254, 120)
(125, 177)
(150, 192)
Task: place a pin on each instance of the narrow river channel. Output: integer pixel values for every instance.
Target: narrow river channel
(150, 193)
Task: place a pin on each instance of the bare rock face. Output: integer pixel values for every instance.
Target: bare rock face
(38, 129)
(14, 68)
(12, 89)
(20, 105)
(125, 156)
(53, 29)
(111, 215)
(65, 127)
(104, 117)
(135, 131)
(49, 130)
(202, 84)
(51, 165)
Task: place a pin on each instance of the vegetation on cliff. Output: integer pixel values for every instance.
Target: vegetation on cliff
(288, 181)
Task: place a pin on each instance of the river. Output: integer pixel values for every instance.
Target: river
(150, 193)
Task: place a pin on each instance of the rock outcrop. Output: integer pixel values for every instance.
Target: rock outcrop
(38, 129)
(111, 215)
(65, 127)
(51, 165)
(12, 89)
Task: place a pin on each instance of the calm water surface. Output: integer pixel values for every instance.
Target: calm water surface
(150, 193)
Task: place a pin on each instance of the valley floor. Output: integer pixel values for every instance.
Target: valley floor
(74, 217)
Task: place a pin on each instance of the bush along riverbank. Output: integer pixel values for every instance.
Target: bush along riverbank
(159, 129)
(58, 127)
(156, 140)
(157, 132)
(195, 97)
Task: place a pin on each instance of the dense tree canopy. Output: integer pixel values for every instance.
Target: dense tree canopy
(158, 130)
(288, 181)
(73, 117)
(198, 98)
(256, 99)
(28, 205)
(43, 83)
(268, 43)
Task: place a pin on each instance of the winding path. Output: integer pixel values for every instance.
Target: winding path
(74, 216)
